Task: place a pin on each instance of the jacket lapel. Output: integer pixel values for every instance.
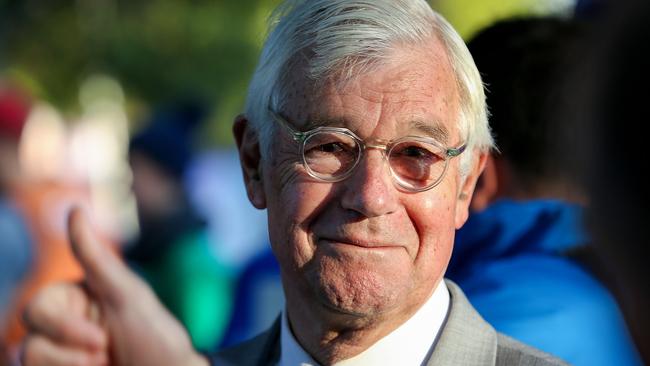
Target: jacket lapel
(465, 339)
(270, 354)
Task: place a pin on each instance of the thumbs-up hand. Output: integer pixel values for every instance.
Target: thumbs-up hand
(114, 319)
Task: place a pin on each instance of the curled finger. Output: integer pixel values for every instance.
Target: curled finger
(61, 313)
(42, 351)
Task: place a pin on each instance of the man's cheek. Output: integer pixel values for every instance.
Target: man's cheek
(429, 211)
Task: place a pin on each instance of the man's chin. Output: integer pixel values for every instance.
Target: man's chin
(356, 302)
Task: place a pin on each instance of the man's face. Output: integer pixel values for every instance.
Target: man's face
(362, 246)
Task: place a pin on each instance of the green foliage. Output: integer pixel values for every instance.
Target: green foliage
(158, 50)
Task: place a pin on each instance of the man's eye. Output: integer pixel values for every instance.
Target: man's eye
(415, 152)
(329, 144)
(332, 147)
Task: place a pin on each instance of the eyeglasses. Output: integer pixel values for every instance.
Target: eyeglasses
(330, 154)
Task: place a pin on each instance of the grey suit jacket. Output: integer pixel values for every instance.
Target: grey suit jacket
(465, 340)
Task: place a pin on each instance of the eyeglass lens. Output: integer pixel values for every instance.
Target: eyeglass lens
(330, 154)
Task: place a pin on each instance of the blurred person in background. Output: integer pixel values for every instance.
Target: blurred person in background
(41, 201)
(519, 257)
(173, 251)
(15, 243)
(612, 148)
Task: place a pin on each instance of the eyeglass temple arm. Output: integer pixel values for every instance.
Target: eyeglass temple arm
(457, 151)
(298, 136)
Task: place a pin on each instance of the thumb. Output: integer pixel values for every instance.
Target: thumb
(106, 276)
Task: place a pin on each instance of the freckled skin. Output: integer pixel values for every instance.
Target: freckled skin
(359, 257)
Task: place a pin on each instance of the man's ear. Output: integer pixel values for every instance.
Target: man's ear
(467, 189)
(487, 186)
(251, 160)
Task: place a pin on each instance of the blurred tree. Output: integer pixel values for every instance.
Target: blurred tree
(157, 50)
(470, 16)
(162, 49)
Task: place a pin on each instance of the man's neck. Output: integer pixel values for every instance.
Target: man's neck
(330, 336)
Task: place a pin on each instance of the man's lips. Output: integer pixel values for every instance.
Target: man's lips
(357, 242)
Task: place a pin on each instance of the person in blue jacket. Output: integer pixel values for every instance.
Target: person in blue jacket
(523, 257)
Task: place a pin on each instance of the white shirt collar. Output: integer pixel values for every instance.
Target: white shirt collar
(407, 345)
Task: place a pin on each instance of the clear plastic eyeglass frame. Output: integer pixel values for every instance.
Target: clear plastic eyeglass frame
(386, 147)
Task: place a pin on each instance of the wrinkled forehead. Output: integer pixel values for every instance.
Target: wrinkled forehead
(413, 89)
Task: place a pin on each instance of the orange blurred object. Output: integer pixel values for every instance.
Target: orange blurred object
(45, 206)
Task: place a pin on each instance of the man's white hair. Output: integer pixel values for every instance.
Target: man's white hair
(340, 39)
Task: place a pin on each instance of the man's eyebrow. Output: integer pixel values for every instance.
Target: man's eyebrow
(435, 130)
(324, 122)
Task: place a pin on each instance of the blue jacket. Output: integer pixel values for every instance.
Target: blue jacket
(15, 253)
(511, 262)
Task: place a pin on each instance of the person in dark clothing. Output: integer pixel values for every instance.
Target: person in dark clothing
(173, 251)
(610, 152)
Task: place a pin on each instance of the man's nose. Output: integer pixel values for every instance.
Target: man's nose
(370, 190)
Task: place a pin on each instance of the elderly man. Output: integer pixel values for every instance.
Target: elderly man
(364, 134)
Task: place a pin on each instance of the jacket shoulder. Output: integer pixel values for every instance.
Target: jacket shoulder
(512, 352)
(260, 350)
